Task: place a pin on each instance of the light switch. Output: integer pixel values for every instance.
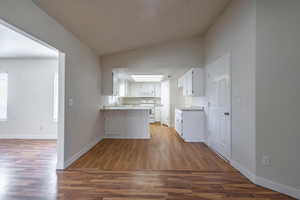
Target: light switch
(71, 102)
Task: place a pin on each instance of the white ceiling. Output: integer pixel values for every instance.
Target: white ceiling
(109, 26)
(16, 45)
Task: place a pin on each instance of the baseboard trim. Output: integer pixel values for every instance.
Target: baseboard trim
(31, 137)
(200, 140)
(293, 192)
(284, 189)
(84, 150)
(251, 176)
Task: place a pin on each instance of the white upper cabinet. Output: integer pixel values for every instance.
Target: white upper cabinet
(142, 89)
(192, 82)
(180, 82)
(157, 90)
(115, 79)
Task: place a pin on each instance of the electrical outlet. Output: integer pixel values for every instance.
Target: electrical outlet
(266, 160)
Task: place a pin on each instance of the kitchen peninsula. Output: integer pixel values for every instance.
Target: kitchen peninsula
(126, 122)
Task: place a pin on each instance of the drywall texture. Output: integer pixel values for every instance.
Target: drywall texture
(278, 90)
(30, 98)
(234, 33)
(83, 123)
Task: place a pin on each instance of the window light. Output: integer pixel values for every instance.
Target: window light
(55, 98)
(3, 96)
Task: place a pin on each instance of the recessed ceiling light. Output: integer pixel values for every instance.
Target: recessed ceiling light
(147, 78)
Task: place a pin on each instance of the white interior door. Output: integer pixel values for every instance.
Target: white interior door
(219, 106)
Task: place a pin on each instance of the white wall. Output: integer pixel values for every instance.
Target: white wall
(234, 32)
(172, 58)
(30, 98)
(83, 121)
(278, 91)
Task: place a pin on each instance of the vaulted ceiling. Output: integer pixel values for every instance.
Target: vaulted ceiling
(109, 26)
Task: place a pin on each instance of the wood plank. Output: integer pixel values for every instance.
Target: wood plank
(164, 151)
(27, 172)
(166, 185)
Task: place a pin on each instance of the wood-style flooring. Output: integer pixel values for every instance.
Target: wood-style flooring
(164, 151)
(160, 185)
(27, 172)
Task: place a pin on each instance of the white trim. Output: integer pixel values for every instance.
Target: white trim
(61, 110)
(200, 140)
(288, 190)
(251, 176)
(84, 150)
(60, 147)
(284, 189)
(39, 136)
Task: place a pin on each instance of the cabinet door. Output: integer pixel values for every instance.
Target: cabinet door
(190, 83)
(157, 114)
(185, 85)
(115, 84)
(157, 89)
(151, 90)
(180, 82)
(197, 82)
(122, 88)
(193, 82)
(147, 90)
(177, 125)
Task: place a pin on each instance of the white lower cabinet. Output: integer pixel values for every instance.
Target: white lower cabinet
(189, 124)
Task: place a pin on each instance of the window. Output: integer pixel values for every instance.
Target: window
(3, 96)
(122, 89)
(55, 98)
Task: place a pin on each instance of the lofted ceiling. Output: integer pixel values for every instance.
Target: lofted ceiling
(16, 45)
(110, 26)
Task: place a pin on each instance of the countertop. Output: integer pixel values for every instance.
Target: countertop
(125, 108)
(192, 108)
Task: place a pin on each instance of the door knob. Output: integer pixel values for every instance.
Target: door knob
(226, 113)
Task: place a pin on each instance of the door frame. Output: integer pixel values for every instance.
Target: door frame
(61, 84)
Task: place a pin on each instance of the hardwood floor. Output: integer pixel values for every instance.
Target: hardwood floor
(164, 151)
(27, 172)
(160, 185)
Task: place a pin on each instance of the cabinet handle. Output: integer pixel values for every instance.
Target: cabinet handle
(226, 113)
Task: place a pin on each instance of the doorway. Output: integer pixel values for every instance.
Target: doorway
(32, 91)
(218, 90)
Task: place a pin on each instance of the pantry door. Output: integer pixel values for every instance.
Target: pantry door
(218, 90)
